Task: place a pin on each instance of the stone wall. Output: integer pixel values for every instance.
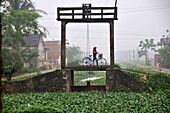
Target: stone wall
(60, 81)
(49, 82)
(117, 79)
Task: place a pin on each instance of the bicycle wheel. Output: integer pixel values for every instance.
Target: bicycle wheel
(86, 61)
(102, 61)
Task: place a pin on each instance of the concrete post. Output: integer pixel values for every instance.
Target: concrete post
(111, 79)
(66, 79)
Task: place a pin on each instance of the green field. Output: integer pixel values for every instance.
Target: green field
(155, 98)
(87, 102)
(81, 75)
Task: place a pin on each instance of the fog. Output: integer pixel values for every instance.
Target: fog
(137, 20)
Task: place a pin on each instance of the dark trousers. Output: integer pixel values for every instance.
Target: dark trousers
(94, 58)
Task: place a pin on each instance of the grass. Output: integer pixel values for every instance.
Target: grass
(87, 102)
(22, 78)
(80, 75)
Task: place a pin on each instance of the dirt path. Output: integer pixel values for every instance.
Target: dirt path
(166, 70)
(29, 74)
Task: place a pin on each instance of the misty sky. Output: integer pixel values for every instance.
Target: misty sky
(137, 20)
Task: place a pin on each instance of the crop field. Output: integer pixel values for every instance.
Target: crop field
(87, 102)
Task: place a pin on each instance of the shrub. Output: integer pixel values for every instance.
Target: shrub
(42, 68)
(158, 81)
(38, 109)
(24, 70)
(74, 62)
(30, 70)
(118, 66)
(164, 55)
(12, 62)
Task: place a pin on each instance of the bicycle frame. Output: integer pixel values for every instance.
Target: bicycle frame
(91, 60)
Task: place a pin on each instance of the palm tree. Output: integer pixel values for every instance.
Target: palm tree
(27, 5)
(24, 5)
(148, 44)
(12, 9)
(21, 4)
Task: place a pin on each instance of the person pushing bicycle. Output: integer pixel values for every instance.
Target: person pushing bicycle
(94, 55)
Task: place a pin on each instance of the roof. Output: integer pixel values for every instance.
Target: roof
(32, 41)
(54, 49)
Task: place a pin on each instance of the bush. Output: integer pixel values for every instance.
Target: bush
(164, 55)
(38, 109)
(158, 81)
(30, 70)
(88, 102)
(118, 66)
(74, 62)
(42, 68)
(12, 62)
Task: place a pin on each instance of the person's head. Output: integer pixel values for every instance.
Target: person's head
(94, 47)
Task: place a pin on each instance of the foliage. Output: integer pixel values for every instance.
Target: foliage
(148, 44)
(18, 21)
(166, 59)
(140, 70)
(30, 70)
(21, 5)
(12, 62)
(74, 62)
(22, 78)
(39, 109)
(81, 75)
(86, 102)
(30, 56)
(72, 52)
(118, 66)
(157, 81)
(135, 74)
(18, 4)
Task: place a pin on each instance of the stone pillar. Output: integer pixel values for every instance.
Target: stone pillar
(111, 44)
(111, 79)
(72, 78)
(63, 44)
(66, 79)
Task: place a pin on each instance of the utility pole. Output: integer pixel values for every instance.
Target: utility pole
(129, 56)
(134, 54)
(88, 41)
(138, 59)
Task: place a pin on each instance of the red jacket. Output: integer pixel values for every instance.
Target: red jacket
(94, 52)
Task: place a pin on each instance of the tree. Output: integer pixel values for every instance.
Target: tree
(0, 68)
(163, 52)
(148, 44)
(72, 52)
(12, 62)
(19, 19)
(30, 56)
(74, 62)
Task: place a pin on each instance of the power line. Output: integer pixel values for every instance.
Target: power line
(167, 5)
(119, 32)
(140, 9)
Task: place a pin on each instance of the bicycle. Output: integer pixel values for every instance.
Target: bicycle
(89, 61)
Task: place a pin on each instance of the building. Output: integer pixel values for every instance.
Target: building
(36, 42)
(165, 42)
(33, 42)
(53, 53)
